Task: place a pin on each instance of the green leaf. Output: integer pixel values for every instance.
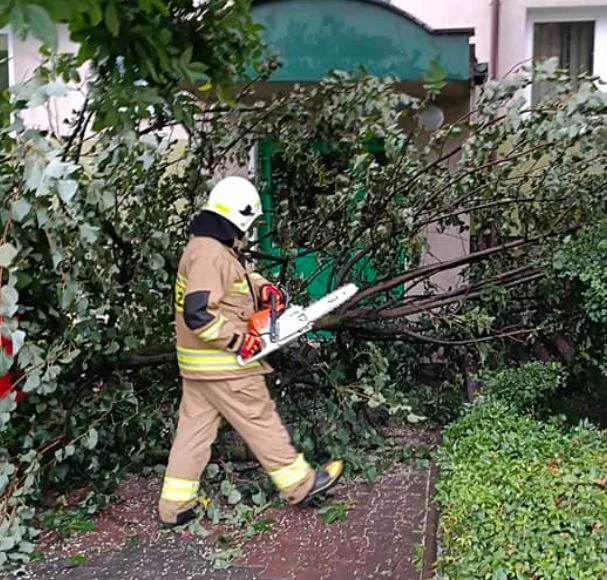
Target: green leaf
(79, 559)
(18, 339)
(371, 473)
(157, 262)
(7, 254)
(145, 5)
(413, 418)
(92, 438)
(226, 487)
(41, 25)
(88, 234)
(112, 21)
(34, 171)
(67, 189)
(334, 513)
(7, 544)
(17, 18)
(9, 300)
(56, 90)
(20, 209)
(259, 498)
(234, 497)
(57, 169)
(212, 470)
(31, 383)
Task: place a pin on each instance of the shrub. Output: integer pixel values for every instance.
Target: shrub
(521, 498)
(524, 388)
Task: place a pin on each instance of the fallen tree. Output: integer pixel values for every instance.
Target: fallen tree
(93, 222)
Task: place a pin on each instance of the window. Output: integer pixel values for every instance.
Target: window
(4, 62)
(571, 42)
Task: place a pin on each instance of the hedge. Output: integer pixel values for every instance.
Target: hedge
(521, 498)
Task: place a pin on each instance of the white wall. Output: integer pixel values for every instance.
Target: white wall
(25, 59)
(441, 14)
(516, 24)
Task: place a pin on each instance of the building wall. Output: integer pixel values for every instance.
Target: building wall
(516, 24)
(25, 59)
(441, 14)
(442, 246)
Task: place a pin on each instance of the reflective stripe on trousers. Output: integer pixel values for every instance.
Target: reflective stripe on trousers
(179, 490)
(291, 475)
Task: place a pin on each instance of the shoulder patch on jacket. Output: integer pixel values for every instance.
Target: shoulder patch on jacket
(195, 312)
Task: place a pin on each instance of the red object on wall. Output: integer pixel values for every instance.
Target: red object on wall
(7, 382)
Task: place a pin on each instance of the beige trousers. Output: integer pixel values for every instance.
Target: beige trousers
(246, 404)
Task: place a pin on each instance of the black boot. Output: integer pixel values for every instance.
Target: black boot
(325, 479)
(182, 519)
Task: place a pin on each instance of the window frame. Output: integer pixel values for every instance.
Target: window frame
(598, 14)
(11, 54)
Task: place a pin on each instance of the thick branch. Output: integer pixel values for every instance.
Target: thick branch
(432, 269)
(451, 297)
(401, 332)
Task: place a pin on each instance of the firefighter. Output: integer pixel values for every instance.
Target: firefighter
(214, 297)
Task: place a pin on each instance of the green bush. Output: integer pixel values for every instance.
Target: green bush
(521, 498)
(524, 388)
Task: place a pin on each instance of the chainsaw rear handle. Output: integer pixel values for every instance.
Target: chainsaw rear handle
(286, 297)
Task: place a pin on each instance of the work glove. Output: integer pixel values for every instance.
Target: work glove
(265, 297)
(250, 346)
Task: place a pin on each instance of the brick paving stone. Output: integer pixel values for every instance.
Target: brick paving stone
(378, 540)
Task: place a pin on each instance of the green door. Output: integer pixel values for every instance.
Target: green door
(307, 264)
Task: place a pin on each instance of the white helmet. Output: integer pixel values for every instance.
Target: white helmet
(237, 200)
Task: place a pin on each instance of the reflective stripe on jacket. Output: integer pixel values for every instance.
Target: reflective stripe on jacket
(214, 298)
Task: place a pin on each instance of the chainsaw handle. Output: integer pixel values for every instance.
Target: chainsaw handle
(285, 293)
(273, 319)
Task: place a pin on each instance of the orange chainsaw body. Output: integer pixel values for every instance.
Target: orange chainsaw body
(259, 323)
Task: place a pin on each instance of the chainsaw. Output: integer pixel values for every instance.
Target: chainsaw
(279, 329)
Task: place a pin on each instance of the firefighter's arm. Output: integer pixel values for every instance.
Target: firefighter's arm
(206, 286)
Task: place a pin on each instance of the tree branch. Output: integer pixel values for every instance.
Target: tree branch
(432, 269)
(400, 333)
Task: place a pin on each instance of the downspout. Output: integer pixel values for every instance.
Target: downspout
(495, 38)
(493, 70)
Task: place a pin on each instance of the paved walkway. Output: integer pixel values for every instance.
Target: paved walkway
(389, 533)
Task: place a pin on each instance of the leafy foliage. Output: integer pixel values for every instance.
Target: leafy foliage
(526, 388)
(521, 498)
(353, 168)
(96, 211)
(583, 260)
(158, 56)
(334, 513)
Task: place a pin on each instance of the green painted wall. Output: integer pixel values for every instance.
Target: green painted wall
(312, 37)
